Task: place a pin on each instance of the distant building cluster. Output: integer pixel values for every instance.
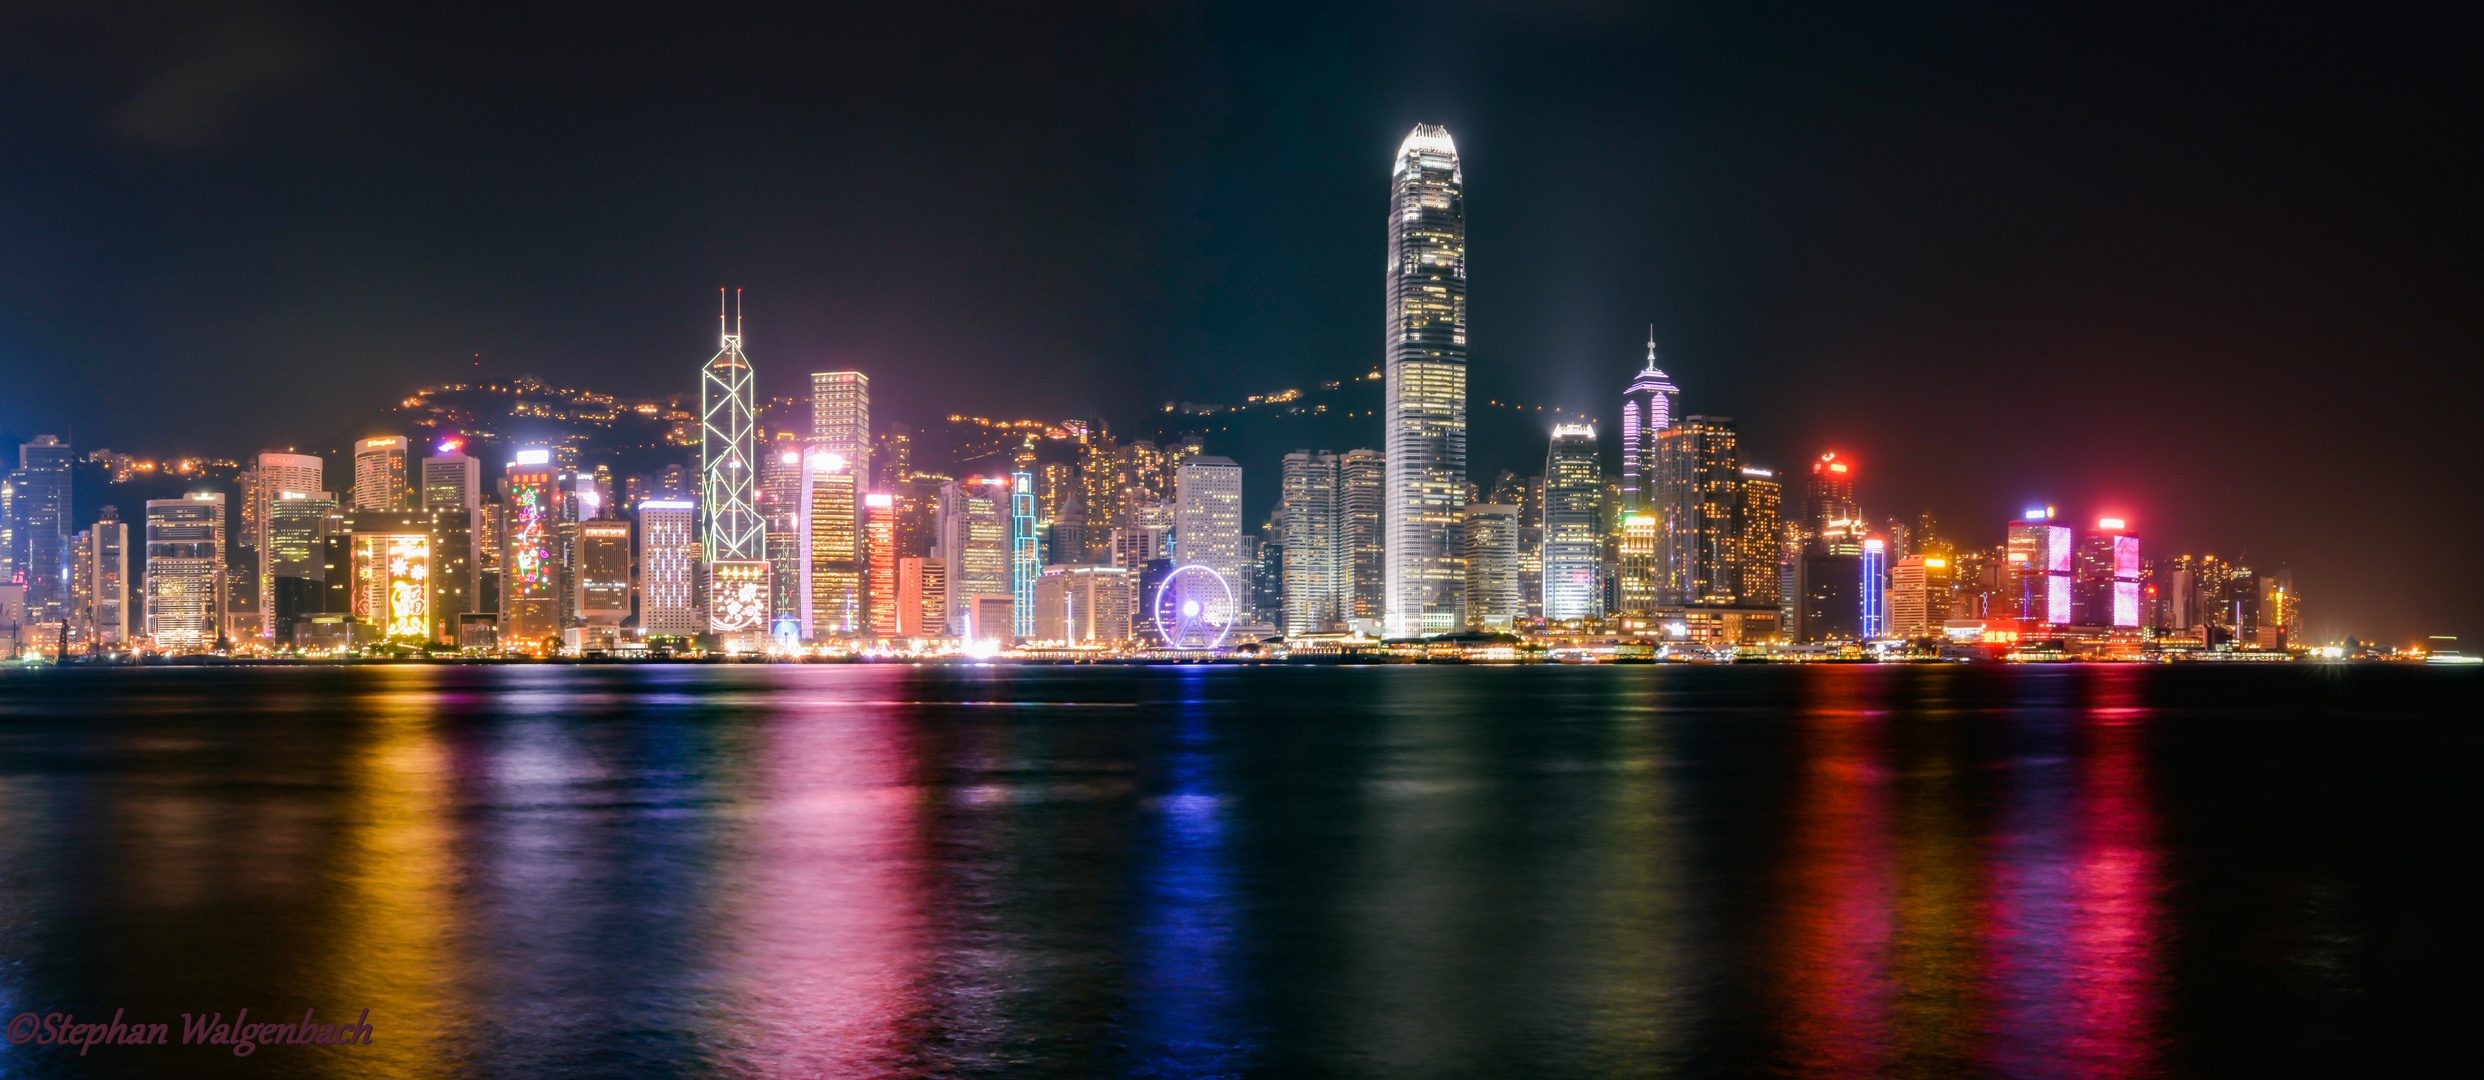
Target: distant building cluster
(798, 527)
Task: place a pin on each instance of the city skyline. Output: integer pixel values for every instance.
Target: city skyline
(2123, 337)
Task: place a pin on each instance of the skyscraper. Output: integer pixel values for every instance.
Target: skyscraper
(107, 588)
(41, 512)
(2039, 570)
(300, 475)
(1317, 578)
(841, 418)
(1362, 495)
(603, 578)
(1207, 526)
(379, 474)
(1874, 588)
(185, 571)
(1830, 498)
(2104, 586)
(1696, 497)
(1763, 538)
(734, 536)
(1647, 411)
(1573, 549)
(292, 558)
(453, 483)
(832, 571)
(668, 554)
(973, 549)
(1918, 596)
(1024, 563)
(530, 579)
(1425, 369)
(1493, 598)
(880, 561)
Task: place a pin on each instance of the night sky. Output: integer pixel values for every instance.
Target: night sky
(2212, 270)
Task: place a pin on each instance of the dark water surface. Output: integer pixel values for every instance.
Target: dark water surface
(1399, 871)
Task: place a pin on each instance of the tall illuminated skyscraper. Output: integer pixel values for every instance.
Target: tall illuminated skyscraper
(880, 561)
(1763, 539)
(530, 581)
(1647, 411)
(1024, 564)
(2104, 587)
(1425, 368)
(283, 476)
(841, 418)
(1207, 525)
(1695, 493)
(1316, 586)
(185, 571)
(379, 474)
(1493, 598)
(40, 509)
(734, 535)
(1362, 492)
(668, 551)
(2039, 570)
(832, 600)
(1573, 551)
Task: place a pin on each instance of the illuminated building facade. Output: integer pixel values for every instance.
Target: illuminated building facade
(1085, 605)
(831, 537)
(880, 551)
(185, 572)
(409, 571)
(1573, 549)
(1318, 586)
(530, 581)
(291, 558)
(841, 418)
(603, 577)
(1828, 601)
(106, 582)
(973, 547)
(668, 556)
(2105, 585)
(1207, 528)
(1919, 596)
(922, 597)
(1493, 598)
(38, 514)
(1636, 569)
(2039, 569)
(1527, 494)
(733, 536)
(780, 510)
(1695, 493)
(453, 483)
(1647, 412)
(1425, 368)
(1362, 496)
(1024, 561)
(281, 477)
(1763, 538)
(1873, 589)
(379, 474)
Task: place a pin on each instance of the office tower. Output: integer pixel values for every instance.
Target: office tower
(1918, 596)
(1647, 413)
(296, 523)
(780, 510)
(1527, 494)
(1763, 538)
(922, 597)
(1024, 563)
(1138, 480)
(1493, 598)
(1317, 575)
(832, 600)
(1425, 365)
(880, 562)
(185, 572)
(409, 572)
(280, 474)
(1148, 537)
(1573, 545)
(1207, 527)
(530, 575)
(603, 572)
(973, 548)
(453, 483)
(899, 446)
(1826, 590)
(987, 618)
(1266, 555)
(1085, 605)
(1065, 537)
(1874, 588)
(1830, 498)
(1098, 482)
(379, 473)
(1055, 482)
(107, 587)
(841, 418)
(1362, 495)
(40, 515)
(668, 555)
(733, 537)
(2281, 609)
(248, 502)
(2039, 570)
(1694, 490)
(2104, 586)
(1635, 568)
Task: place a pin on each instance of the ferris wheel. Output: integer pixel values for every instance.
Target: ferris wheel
(1194, 608)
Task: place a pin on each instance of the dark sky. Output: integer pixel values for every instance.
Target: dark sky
(2213, 269)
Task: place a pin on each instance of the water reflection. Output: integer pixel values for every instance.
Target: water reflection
(1184, 1008)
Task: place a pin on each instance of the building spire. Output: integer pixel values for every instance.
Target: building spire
(1651, 346)
(721, 331)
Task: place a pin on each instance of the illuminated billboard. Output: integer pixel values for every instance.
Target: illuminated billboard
(392, 583)
(737, 595)
(531, 568)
